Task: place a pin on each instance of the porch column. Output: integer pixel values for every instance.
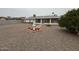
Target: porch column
(50, 20)
(41, 21)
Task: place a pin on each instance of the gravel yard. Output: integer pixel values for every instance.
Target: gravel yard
(16, 37)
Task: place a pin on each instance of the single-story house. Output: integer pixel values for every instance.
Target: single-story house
(3, 18)
(50, 19)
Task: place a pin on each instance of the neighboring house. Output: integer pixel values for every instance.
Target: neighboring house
(3, 18)
(10, 20)
(22, 19)
(50, 19)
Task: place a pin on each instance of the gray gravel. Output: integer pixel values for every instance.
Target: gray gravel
(16, 37)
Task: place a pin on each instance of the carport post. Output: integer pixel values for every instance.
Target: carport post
(50, 20)
(41, 20)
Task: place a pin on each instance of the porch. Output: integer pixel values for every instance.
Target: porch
(46, 21)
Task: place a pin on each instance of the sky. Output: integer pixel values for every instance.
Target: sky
(21, 12)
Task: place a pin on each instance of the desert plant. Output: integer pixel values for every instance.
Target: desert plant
(70, 20)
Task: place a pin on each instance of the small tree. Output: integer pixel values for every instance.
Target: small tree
(70, 20)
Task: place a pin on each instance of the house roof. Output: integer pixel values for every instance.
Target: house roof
(43, 17)
(3, 17)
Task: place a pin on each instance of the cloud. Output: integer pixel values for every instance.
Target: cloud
(30, 11)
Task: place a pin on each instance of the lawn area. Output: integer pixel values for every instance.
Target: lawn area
(16, 37)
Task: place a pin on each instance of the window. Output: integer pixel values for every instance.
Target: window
(37, 20)
(46, 20)
(54, 20)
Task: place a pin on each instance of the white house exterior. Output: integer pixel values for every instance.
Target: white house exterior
(50, 19)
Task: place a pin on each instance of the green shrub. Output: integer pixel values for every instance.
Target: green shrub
(70, 20)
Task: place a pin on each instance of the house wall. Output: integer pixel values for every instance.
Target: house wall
(44, 21)
(48, 21)
(2, 19)
(54, 20)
